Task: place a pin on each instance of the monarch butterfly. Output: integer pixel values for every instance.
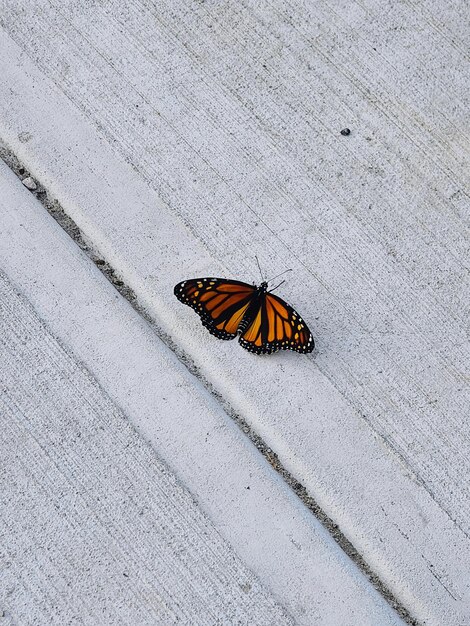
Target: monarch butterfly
(264, 322)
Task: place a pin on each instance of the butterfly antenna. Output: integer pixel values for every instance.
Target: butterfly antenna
(259, 267)
(281, 274)
(282, 281)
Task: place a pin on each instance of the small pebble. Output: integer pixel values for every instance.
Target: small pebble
(29, 183)
(345, 132)
(25, 137)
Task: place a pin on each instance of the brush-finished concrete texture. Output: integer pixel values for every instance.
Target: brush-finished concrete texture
(232, 113)
(276, 538)
(95, 530)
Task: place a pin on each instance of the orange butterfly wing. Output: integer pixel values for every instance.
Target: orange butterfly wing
(276, 326)
(221, 304)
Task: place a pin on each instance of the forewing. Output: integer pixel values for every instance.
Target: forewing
(276, 326)
(221, 304)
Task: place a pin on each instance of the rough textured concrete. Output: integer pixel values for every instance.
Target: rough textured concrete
(285, 547)
(232, 113)
(95, 530)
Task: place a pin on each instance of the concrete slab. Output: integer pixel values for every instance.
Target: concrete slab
(86, 501)
(95, 529)
(232, 115)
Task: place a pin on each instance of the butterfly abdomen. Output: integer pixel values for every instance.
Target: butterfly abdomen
(250, 313)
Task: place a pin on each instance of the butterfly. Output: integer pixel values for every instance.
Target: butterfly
(264, 322)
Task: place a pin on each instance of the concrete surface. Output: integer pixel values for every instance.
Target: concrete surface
(95, 530)
(186, 138)
(255, 512)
